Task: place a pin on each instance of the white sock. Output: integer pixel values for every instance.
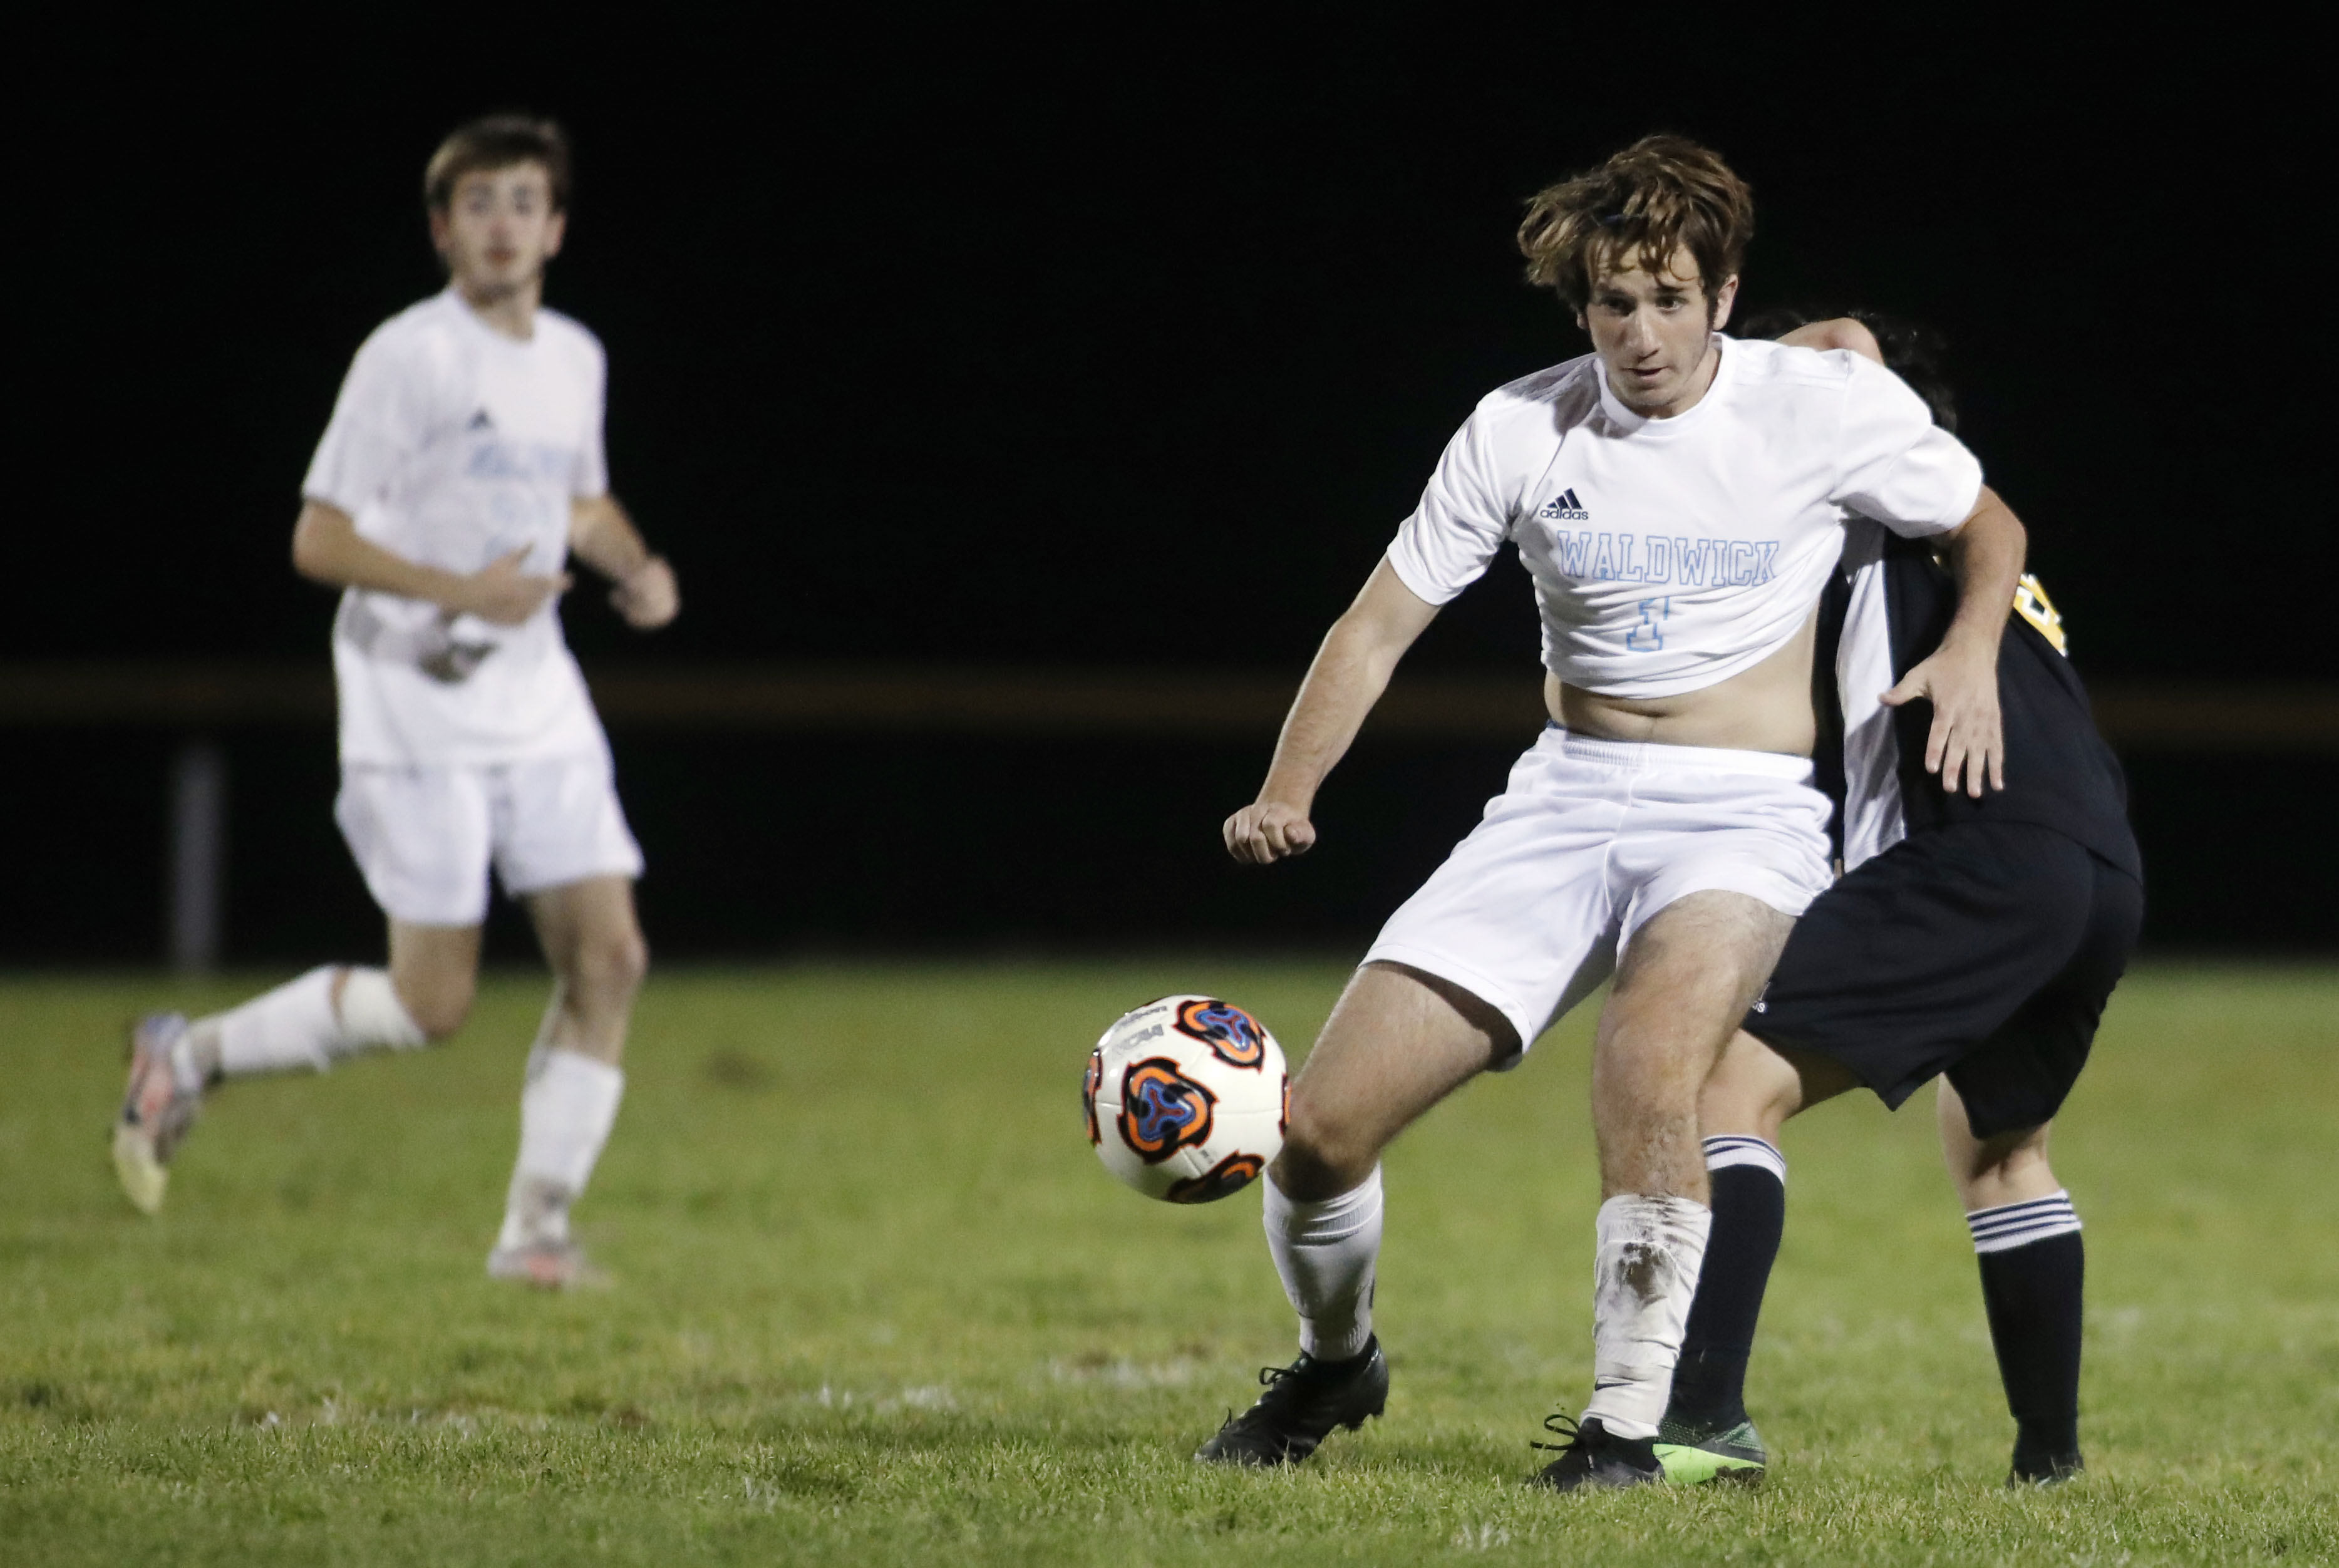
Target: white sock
(1326, 1253)
(1644, 1277)
(372, 1016)
(1725, 1149)
(296, 1025)
(565, 1111)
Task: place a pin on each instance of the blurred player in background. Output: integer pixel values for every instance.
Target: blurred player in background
(1679, 499)
(462, 467)
(1977, 939)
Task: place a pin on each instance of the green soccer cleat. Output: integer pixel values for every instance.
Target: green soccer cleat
(1691, 1456)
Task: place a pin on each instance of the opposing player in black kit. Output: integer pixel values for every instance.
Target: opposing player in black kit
(1974, 938)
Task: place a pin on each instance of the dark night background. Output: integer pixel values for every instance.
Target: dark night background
(1120, 342)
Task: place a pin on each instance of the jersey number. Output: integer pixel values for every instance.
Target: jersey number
(1650, 634)
(2031, 603)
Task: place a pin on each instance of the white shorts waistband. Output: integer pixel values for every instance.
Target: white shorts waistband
(1638, 755)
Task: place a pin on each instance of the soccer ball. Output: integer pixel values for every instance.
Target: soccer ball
(1186, 1099)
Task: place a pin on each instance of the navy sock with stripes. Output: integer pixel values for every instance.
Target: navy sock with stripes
(2033, 1275)
(1749, 1214)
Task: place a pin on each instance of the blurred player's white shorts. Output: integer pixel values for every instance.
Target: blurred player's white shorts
(1590, 838)
(424, 836)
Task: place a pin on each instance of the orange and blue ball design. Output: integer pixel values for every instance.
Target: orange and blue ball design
(1186, 1099)
(1233, 1035)
(1162, 1110)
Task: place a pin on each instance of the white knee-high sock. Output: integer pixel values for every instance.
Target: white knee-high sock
(297, 1026)
(1644, 1276)
(565, 1111)
(1326, 1253)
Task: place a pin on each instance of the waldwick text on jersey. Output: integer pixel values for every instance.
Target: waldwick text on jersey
(1692, 563)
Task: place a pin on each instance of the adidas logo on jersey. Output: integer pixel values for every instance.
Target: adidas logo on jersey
(479, 422)
(1564, 508)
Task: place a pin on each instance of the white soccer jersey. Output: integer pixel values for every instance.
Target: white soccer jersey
(1873, 818)
(1671, 554)
(454, 445)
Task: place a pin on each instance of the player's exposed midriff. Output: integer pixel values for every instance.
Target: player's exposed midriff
(1767, 708)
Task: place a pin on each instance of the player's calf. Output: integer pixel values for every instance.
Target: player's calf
(2033, 1262)
(567, 1107)
(1686, 980)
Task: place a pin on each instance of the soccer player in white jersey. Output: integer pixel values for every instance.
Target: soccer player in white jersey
(462, 467)
(1679, 499)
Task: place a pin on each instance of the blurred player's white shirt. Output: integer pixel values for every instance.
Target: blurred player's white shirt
(454, 445)
(1672, 553)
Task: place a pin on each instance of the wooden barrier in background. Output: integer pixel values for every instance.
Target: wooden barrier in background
(2136, 717)
(199, 700)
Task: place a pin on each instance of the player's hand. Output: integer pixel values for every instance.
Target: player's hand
(1841, 332)
(503, 595)
(1269, 831)
(1966, 735)
(648, 596)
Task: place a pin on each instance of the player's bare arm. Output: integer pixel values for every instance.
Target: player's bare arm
(328, 548)
(1961, 678)
(602, 535)
(1351, 672)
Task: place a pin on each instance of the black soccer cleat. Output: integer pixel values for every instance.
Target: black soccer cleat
(1591, 1459)
(2043, 1469)
(1303, 1404)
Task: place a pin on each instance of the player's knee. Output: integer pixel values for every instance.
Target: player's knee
(611, 965)
(1751, 1091)
(438, 1010)
(1322, 1156)
(2008, 1168)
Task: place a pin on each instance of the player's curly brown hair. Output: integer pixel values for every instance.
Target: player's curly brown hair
(497, 142)
(1657, 195)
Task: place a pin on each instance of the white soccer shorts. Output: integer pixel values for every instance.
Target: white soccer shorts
(1590, 839)
(425, 836)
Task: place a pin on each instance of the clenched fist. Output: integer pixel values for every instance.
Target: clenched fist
(1269, 831)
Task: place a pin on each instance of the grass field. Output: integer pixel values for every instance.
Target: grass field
(874, 1302)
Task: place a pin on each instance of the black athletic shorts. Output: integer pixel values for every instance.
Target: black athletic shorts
(1982, 949)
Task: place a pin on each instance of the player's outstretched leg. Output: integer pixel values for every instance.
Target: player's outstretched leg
(1398, 1043)
(1688, 976)
(2026, 1236)
(303, 1025)
(1706, 1435)
(570, 1103)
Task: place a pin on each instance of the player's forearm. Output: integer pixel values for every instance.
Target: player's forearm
(1350, 672)
(604, 538)
(1986, 557)
(328, 548)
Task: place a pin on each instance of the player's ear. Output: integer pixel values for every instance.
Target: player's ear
(1723, 297)
(438, 228)
(556, 229)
